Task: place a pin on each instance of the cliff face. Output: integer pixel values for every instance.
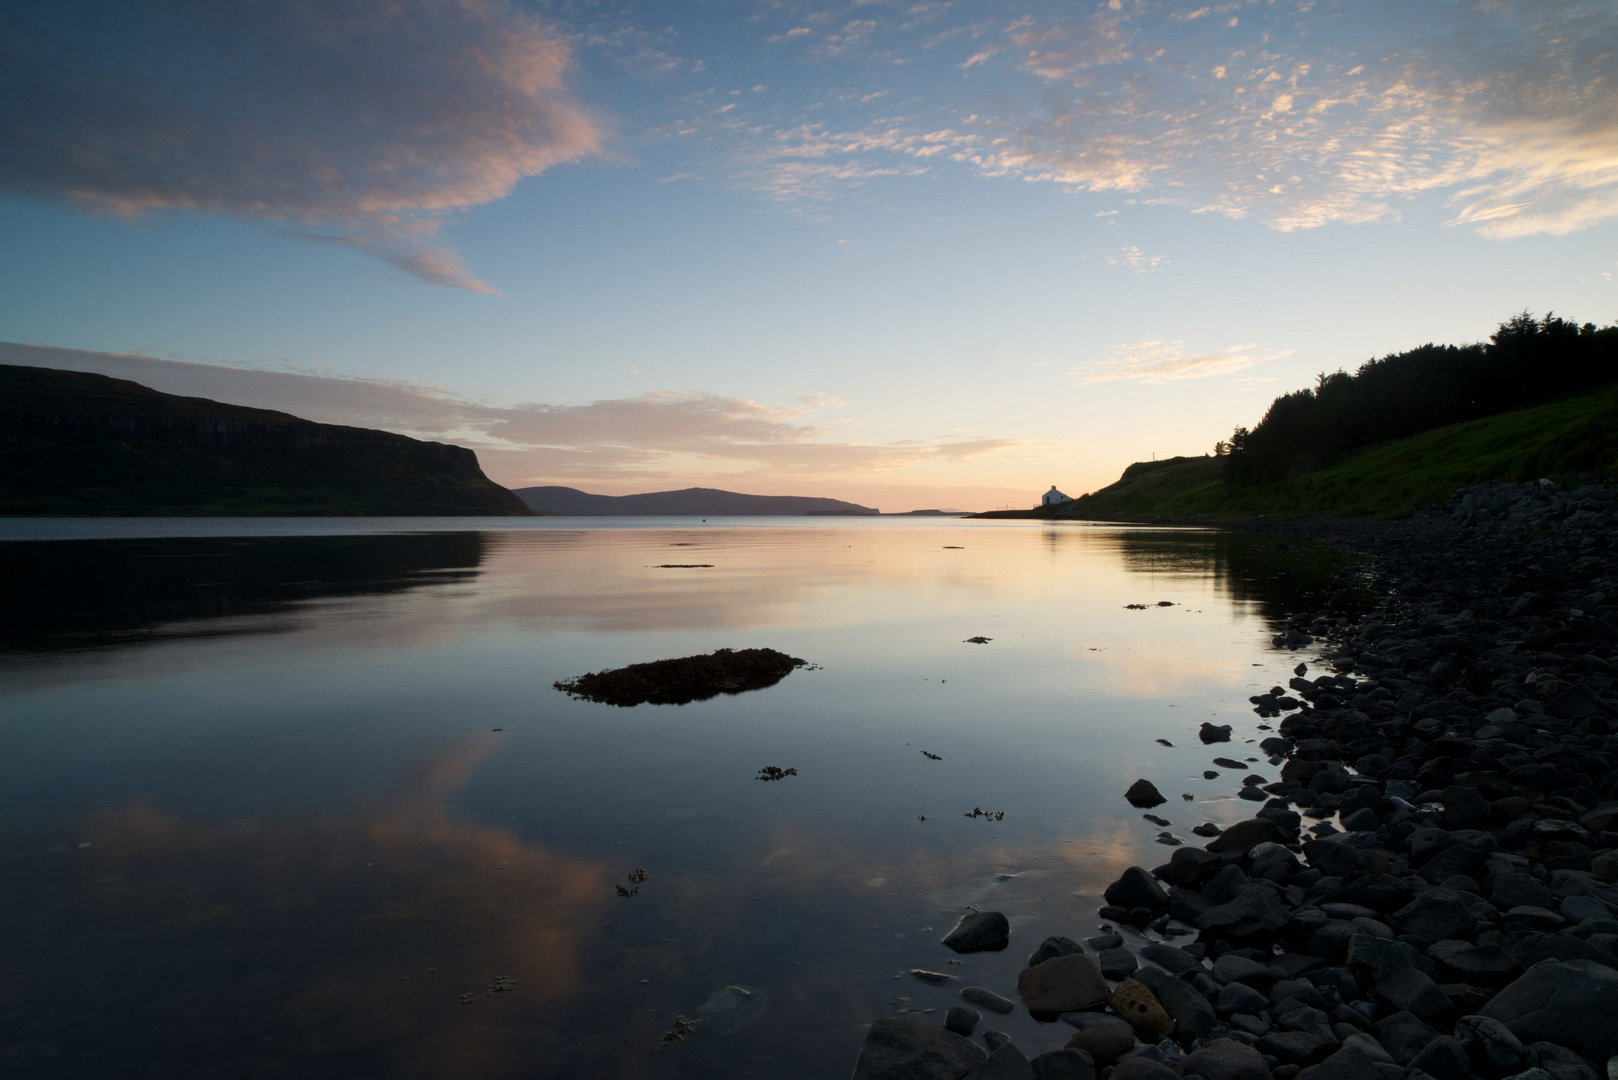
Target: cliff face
(73, 443)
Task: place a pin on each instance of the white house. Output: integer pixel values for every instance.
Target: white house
(1052, 497)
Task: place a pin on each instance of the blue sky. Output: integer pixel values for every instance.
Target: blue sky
(912, 254)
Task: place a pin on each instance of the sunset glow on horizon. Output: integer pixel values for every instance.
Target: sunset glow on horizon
(907, 254)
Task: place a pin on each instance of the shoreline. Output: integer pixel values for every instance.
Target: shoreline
(1428, 889)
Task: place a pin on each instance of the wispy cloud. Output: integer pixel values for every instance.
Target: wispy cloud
(1134, 259)
(366, 123)
(1154, 362)
(1294, 113)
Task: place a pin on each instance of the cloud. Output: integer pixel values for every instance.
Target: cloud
(663, 435)
(1155, 362)
(1132, 258)
(1299, 114)
(366, 122)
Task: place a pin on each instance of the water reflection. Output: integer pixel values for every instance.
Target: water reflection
(91, 592)
(303, 847)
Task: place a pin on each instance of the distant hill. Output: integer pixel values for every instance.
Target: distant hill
(701, 502)
(73, 443)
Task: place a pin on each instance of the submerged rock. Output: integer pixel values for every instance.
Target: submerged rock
(908, 1050)
(979, 931)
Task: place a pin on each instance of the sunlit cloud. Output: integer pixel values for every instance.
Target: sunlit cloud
(1298, 114)
(1154, 362)
(366, 123)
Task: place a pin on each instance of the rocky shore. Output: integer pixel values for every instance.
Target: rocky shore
(1428, 889)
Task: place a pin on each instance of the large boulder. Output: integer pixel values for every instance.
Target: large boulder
(1105, 1043)
(1227, 1059)
(1192, 1013)
(979, 931)
(908, 1050)
(1572, 1002)
(1005, 1063)
(1136, 888)
(1255, 910)
(1064, 1064)
(1246, 835)
(1436, 915)
(1065, 984)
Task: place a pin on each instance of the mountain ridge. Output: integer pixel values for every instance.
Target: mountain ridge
(710, 502)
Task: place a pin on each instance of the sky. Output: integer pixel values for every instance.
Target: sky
(912, 254)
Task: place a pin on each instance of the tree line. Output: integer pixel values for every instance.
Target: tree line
(1527, 361)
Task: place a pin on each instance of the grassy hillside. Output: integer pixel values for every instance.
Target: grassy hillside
(1562, 440)
(76, 444)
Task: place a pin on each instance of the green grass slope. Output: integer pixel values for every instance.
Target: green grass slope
(1563, 440)
(77, 444)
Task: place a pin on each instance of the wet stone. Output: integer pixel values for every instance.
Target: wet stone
(908, 1050)
(987, 999)
(1053, 947)
(979, 931)
(1064, 984)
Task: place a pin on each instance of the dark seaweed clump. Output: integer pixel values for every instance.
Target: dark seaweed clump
(685, 678)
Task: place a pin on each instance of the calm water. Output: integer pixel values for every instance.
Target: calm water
(305, 804)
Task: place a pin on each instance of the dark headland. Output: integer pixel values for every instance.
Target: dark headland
(78, 444)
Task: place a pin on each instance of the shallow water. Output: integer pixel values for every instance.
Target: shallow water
(276, 804)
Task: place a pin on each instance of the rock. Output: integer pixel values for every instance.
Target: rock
(1349, 1063)
(1330, 857)
(1065, 984)
(1212, 733)
(1409, 990)
(1561, 1063)
(1192, 1013)
(987, 999)
(731, 1008)
(1135, 1003)
(1442, 1059)
(1240, 998)
(1235, 968)
(1052, 947)
(1105, 1043)
(1535, 918)
(1574, 1002)
(935, 978)
(1403, 1035)
(1136, 888)
(1298, 1047)
(1064, 1065)
(1382, 892)
(1170, 959)
(994, 1039)
(1005, 1062)
(908, 1050)
(979, 931)
(1144, 1068)
(1227, 1059)
(1144, 794)
(1254, 911)
(1489, 1045)
(1191, 867)
(1517, 890)
(1117, 963)
(1246, 835)
(961, 1020)
(1480, 965)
